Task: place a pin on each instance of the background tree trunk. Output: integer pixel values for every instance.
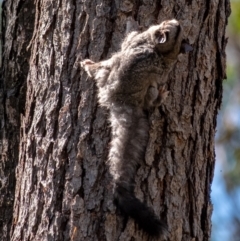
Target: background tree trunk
(56, 134)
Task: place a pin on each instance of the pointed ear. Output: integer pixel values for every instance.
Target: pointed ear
(185, 47)
(90, 67)
(162, 38)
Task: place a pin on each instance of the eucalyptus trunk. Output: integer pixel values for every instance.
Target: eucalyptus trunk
(55, 184)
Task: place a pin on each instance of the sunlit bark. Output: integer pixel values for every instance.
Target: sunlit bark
(57, 137)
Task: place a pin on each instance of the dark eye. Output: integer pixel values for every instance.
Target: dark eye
(167, 35)
(157, 34)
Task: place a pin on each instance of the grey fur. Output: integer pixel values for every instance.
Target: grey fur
(130, 83)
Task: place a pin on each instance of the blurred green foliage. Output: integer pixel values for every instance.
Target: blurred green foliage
(234, 20)
(231, 77)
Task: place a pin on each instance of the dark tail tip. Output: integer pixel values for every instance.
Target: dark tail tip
(144, 216)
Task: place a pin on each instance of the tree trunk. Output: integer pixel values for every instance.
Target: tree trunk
(58, 137)
(17, 24)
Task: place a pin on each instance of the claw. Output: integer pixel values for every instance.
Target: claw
(86, 62)
(163, 93)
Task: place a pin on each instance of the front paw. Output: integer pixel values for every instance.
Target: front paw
(162, 93)
(89, 66)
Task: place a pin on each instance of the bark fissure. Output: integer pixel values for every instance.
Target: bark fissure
(58, 137)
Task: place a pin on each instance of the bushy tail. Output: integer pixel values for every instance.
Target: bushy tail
(144, 216)
(130, 130)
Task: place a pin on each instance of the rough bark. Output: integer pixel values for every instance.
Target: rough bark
(63, 187)
(17, 23)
